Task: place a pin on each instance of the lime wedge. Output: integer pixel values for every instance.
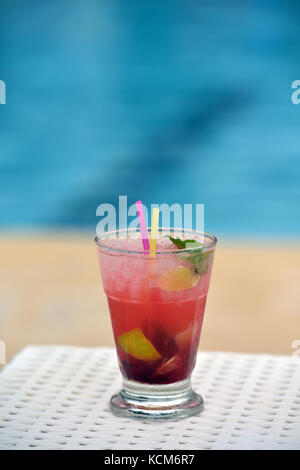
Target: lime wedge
(178, 278)
(135, 343)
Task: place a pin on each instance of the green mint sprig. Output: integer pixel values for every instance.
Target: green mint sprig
(200, 260)
(181, 244)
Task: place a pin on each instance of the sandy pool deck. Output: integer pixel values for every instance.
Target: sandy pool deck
(51, 294)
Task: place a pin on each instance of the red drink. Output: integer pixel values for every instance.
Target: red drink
(172, 327)
(156, 305)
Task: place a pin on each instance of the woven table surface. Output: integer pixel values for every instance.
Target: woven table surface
(56, 397)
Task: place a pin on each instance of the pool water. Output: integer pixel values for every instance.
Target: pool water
(174, 101)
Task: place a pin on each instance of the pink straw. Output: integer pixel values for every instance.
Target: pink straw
(144, 232)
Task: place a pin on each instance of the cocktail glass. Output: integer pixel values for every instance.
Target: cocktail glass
(157, 307)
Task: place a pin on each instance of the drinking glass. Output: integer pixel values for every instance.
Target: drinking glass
(156, 306)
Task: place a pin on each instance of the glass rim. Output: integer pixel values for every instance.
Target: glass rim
(101, 243)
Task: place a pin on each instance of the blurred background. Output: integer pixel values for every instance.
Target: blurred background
(174, 101)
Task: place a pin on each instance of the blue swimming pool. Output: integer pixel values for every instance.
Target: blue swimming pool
(174, 101)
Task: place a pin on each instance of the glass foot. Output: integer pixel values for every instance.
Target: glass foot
(142, 401)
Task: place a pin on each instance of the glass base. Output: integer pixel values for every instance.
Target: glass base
(143, 401)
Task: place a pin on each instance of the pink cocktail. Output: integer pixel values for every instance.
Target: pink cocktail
(157, 307)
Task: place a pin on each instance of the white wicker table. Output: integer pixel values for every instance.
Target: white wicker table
(56, 397)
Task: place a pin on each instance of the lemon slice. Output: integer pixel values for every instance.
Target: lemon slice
(178, 278)
(135, 343)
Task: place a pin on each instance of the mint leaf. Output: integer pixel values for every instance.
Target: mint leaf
(199, 260)
(181, 244)
(177, 242)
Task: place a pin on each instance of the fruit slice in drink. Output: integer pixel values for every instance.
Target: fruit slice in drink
(135, 343)
(178, 278)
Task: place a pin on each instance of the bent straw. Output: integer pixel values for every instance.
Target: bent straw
(144, 233)
(154, 230)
